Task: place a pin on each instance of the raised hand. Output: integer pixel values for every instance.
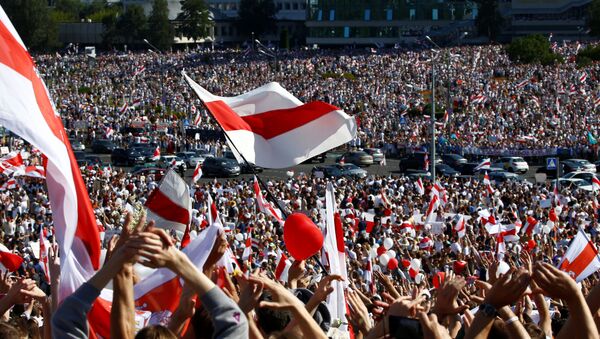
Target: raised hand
(554, 282)
(432, 328)
(446, 302)
(508, 288)
(324, 287)
(5, 281)
(251, 289)
(359, 315)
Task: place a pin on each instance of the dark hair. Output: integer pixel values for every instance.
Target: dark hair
(33, 329)
(16, 329)
(270, 320)
(155, 332)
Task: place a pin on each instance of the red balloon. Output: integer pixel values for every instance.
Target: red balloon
(392, 264)
(405, 263)
(301, 236)
(438, 279)
(381, 250)
(531, 244)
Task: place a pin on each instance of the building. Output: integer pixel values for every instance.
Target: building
(565, 19)
(366, 22)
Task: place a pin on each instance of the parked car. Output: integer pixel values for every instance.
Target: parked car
(587, 176)
(503, 176)
(220, 167)
(446, 171)
(376, 153)
(415, 161)
(512, 164)
(77, 145)
(573, 165)
(190, 158)
(339, 171)
(453, 160)
(79, 155)
(244, 167)
(359, 158)
(202, 155)
(126, 157)
(574, 183)
(102, 146)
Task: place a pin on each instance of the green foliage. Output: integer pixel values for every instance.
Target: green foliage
(591, 52)
(489, 20)
(594, 18)
(100, 15)
(194, 19)
(32, 20)
(161, 33)
(256, 16)
(132, 25)
(84, 90)
(532, 49)
(70, 8)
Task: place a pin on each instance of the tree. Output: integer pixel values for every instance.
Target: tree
(32, 20)
(594, 18)
(160, 30)
(256, 16)
(531, 49)
(489, 20)
(194, 19)
(70, 9)
(132, 25)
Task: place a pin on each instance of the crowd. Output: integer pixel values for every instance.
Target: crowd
(492, 103)
(410, 272)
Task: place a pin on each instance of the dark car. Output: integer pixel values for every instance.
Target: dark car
(222, 167)
(376, 153)
(503, 176)
(320, 158)
(468, 168)
(446, 171)
(79, 155)
(339, 171)
(359, 158)
(415, 161)
(102, 146)
(245, 167)
(453, 160)
(550, 174)
(126, 157)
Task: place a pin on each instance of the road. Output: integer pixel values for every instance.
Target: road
(391, 168)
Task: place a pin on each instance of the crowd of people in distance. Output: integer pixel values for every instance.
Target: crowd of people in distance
(482, 263)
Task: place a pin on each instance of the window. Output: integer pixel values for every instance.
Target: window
(412, 14)
(388, 14)
(286, 5)
(434, 14)
(346, 32)
(474, 13)
(332, 15)
(279, 6)
(367, 14)
(320, 15)
(295, 5)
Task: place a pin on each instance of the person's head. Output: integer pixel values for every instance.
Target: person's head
(155, 332)
(271, 320)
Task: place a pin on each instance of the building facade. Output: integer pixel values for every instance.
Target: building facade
(345, 22)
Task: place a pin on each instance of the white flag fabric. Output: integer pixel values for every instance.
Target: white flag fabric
(273, 129)
(26, 110)
(581, 259)
(336, 301)
(169, 205)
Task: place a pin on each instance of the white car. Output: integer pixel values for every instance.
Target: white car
(167, 161)
(574, 183)
(512, 164)
(587, 176)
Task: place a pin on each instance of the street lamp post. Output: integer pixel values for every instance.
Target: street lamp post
(266, 51)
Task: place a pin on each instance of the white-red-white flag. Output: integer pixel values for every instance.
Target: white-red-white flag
(531, 226)
(26, 110)
(460, 227)
(11, 163)
(197, 173)
(273, 129)
(419, 186)
(488, 185)
(595, 183)
(169, 205)
(434, 203)
(43, 255)
(264, 206)
(282, 266)
(581, 259)
(483, 165)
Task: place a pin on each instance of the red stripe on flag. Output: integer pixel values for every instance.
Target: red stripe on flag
(271, 123)
(581, 262)
(165, 208)
(13, 55)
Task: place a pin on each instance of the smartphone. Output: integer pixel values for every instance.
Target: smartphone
(405, 328)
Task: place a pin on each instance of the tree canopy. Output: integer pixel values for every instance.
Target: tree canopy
(33, 22)
(532, 49)
(194, 19)
(160, 32)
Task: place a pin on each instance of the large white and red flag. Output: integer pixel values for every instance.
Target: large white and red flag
(581, 259)
(8, 260)
(31, 171)
(26, 110)
(460, 227)
(282, 266)
(170, 205)
(265, 206)
(419, 186)
(273, 129)
(43, 255)
(488, 185)
(335, 248)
